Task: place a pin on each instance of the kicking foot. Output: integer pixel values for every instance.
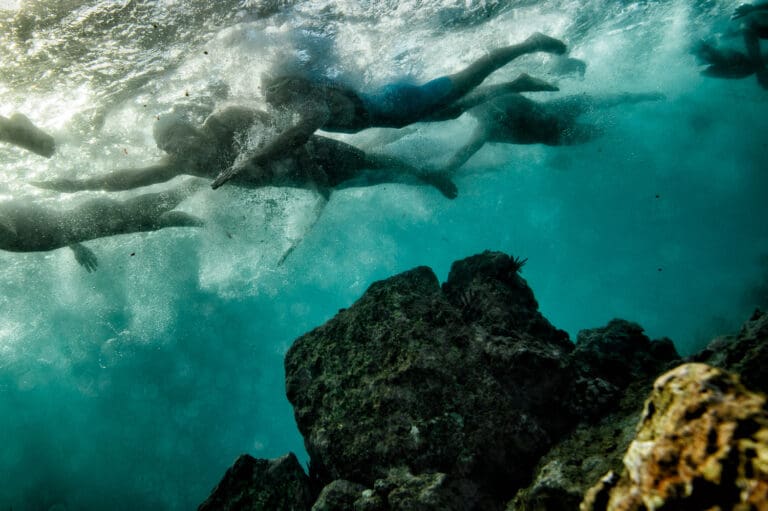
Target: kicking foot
(545, 43)
(528, 83)
(442, 182)
(762, 78)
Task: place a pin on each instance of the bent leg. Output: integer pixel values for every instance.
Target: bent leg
(523, 83)
(477, 72)
(103, 217)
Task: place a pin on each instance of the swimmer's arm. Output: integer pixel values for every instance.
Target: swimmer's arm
(295, 136)
(119, 180)
(84, 256)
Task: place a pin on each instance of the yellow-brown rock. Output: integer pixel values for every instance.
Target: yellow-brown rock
(702, 444)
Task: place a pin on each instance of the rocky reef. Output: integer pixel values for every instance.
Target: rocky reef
(464, 397)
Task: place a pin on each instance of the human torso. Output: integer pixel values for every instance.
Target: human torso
(515, 119)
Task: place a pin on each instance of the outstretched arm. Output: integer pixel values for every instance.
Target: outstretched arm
(313, 117)
(84, 256)
(20, 131)
(119, 180)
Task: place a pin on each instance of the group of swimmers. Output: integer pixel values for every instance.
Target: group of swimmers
(298, 157)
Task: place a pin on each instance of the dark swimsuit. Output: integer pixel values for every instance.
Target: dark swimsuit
(399, 104)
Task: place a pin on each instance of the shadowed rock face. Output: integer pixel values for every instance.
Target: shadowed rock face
(261, 485)
(745, 353)
(459, 381)
(702, 443)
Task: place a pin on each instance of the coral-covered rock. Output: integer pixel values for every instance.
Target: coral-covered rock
(745, 353)
(439, 381)
(339, 495)
(261, 485)
(702, 444)
(572, 466)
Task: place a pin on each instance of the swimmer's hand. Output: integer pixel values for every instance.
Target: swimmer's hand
(225, 175)
(742, 10)
(85, 257)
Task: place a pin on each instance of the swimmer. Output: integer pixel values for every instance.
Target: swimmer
(333, 107)
(724, 63)
(515, 119)
(755, 26)
(321, 164)
(19, 130)
(26, 227)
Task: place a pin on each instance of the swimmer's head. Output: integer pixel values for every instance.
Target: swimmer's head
(177, 136)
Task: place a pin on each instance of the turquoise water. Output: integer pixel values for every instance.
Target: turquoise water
(134, 387)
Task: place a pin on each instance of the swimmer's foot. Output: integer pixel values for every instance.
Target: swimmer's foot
(442, 182)
(541, 42)
(20, 131)
(528, 83)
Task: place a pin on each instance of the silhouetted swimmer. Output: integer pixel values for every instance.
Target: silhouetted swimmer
(19, 130)
(724, 63)
(333, 107)
(515, 119)
(28, 227)
(755, 25)
(320, 164)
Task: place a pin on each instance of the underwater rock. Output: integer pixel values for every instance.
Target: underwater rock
(745, 353)
(607, 360)
(437, 380)
(261, 485)
(339, 495)
(702, 443)
(613, 371)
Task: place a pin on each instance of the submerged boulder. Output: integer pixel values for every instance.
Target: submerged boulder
(426, 397)
(465, 380)
(745, 353)
(261, 485)
(613, 368)
(702, 443)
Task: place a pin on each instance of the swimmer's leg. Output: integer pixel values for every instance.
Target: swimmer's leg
(102, 217)
(523, 83)
(571, 107)
(469, 78)
(150, 211)
(399, 169)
